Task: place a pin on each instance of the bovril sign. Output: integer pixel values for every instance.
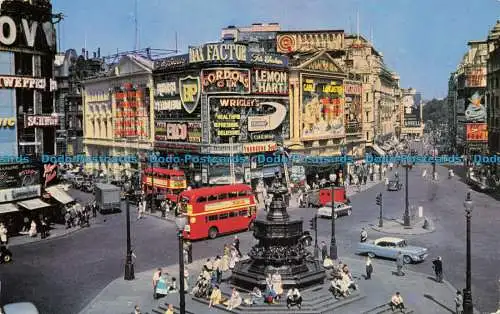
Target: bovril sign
(24, 33)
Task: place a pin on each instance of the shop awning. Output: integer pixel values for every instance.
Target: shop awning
(33, 204)
(61, 196)
(379, 151)
(8, 208)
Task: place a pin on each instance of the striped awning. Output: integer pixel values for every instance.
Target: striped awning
(33, 204)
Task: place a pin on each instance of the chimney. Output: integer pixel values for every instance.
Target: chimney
(98, 52)
(94, 54)
(83, 52)
(86, 55)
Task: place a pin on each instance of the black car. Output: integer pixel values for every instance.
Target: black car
(88, 187)
(394, 185)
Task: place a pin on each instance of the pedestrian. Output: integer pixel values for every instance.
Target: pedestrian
(156, 278)
(3, 234)
(459, 303)
(94, 209)
(236, 245)
(26, 225)
(170, 309)
(268, 201)
(399, 264)
(33, 232)
(217, 268)
(43, 228)
(363, 235)
(437, 264)
(324, 250)
(386, 181)
(369, 268)
(139, 210)
(424, 173)
(137, 310)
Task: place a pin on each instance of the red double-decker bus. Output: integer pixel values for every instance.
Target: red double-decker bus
(169, 182)
(212, 211)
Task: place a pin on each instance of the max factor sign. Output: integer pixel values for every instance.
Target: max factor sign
(218, 53)
(26, 82)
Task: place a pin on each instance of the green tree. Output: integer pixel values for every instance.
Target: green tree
(435, 112)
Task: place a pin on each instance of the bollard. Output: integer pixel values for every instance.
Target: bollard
(420, 211)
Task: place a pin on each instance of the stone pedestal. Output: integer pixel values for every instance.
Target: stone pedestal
(280, 249)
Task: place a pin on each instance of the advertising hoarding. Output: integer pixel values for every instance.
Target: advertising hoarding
(225, 81)
(322, 108)
(41, 121)
(132, 111)
(18, 175)
(171, 62)
(476, 108)
(27, 34)
(8, 131)
(353, 107)
(179, 131)
(248, 118)
(309, 40)
(412, 111)
(476, 132)
(218, 52)
(267, 58)
(475, 77)
(269, 82)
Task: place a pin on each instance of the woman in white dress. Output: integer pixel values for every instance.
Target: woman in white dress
(33, 232)
(224, 263)
(234, 301)
(277, 283)
(233, 259)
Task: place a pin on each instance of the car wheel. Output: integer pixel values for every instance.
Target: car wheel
(407, 259)
(370, 255)
(213, 232)
(349, 212)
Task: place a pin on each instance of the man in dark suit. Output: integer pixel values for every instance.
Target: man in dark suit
(437, 264)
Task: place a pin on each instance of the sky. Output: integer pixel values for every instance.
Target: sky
(422, 40)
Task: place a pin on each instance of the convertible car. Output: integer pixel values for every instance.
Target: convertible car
(340, 209)
(389, 247)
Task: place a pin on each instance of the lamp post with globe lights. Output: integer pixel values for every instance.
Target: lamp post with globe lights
(467, 305)
(181, 222)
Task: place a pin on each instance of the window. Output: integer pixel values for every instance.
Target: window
(212, 218)
(244, 212)
(233, 194)
(222, 196)
(367, 97)
(367, 136)
(233, 214)
(201, 199)
(212, 198)
(223, 216)
(242, 193)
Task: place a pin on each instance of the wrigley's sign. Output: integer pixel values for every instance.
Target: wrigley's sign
(27, 82)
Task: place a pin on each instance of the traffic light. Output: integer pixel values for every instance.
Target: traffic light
(313, 223)
(379, 199)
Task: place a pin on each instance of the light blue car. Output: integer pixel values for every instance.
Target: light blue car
(388, 247)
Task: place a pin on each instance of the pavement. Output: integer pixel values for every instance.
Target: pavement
(421, 293)
(56, 231)
(396, 226)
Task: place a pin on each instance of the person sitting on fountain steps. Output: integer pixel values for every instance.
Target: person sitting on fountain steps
(293, 298)
(397, 303)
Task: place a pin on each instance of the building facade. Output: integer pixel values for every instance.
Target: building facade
(118, 114)
(70, 70)
(470, 106)
(493, 90)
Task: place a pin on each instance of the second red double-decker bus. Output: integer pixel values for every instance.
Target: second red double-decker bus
(217, 210)
(169, 182)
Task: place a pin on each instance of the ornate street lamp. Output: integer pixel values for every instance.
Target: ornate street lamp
(181, 222)
(406, 217)
(467, 305)
(129, 266)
